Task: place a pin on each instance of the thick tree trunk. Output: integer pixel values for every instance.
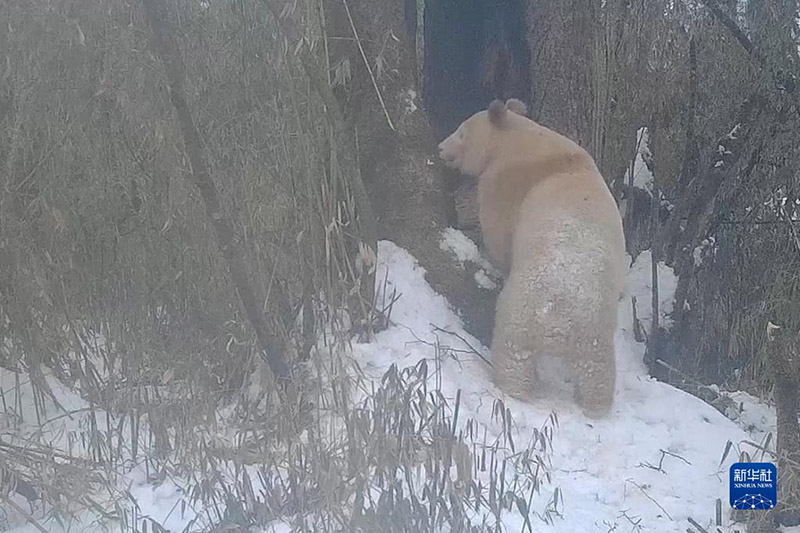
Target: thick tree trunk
(396, 147)
(223, 228)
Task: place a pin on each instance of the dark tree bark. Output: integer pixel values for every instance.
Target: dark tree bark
(169, 54)
(692, 211)
(396, 147)
(732, 158)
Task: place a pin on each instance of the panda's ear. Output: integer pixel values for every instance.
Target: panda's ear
(517, 106)
(497, 112)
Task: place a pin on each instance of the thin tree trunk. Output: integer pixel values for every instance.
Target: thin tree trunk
(223, 228)
(690, 153)
(655, 208)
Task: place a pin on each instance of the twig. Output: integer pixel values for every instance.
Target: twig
(632, 482)
(31, 520)
(462, 339)
(729, 23)
(659, 468)
(366, 63)
(688, 378)
(698, 526)
(770, 452)
(387, 308)
(611, 527)
(437, 345)
(636, 521)
(676, 456)
(43, 454)
(637, 325)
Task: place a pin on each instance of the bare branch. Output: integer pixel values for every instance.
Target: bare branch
(729, 23)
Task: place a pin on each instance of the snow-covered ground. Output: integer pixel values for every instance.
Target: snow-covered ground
(655, 463)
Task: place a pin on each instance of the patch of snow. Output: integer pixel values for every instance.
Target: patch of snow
(697, 256)
(410, 97)
(466, 251)
(461, 246)
(642, 176)
(640, 285)
(706, 247)
(605, 470)
(166, 503)
(756, 417)
(484, 281)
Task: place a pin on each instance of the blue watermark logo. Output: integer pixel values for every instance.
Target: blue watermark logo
(753, 486)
